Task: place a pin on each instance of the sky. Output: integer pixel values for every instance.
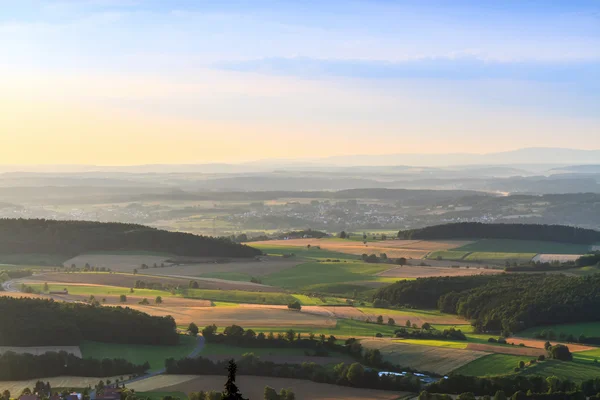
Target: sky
(124, 82)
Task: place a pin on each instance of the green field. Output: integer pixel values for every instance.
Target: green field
(575, 371)
(496, 256)
(523, 246)
(138, 354)
(303, 276)
(447, 255)
(493, 364)
(103, 290)
(589, 329)
(590, 356)
(240, 296)
(216, 349)
(313, 252)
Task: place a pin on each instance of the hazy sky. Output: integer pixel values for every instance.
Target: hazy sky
(156, 81)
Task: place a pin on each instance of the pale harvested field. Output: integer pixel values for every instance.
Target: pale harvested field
(407, 272)
(393, 248)
(61, 381)
(38, 350)
(20, 295)
(116, 262)
(133, 300)
(555, 257)
(440, 360)
(266, 266)
(249, 315)
(539, 344)
(128, 280)
(512, 350)
(253, 387)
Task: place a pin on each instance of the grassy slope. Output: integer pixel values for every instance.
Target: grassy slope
(589, 329)
(522, 246)
(486, 255)
(493, 364)
(161, 395)
(138, 354)
(53, 260)
(303, 276)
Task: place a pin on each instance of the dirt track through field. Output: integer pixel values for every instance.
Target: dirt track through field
(393, 248)
(410, 272)
(440, 360)
(253, 387)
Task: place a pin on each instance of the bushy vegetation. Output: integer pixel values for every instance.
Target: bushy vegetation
(36, 322)
(78, 237)
(508, 303)
(478, 230)
(27, 366)
(431, 334)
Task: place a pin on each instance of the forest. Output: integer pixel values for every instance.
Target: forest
(36, 322)
(28, 366)
(71, 238)
(503, 303)
(478, 230)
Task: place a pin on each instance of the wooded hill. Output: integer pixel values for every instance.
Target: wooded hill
(478, 230)
(507, 302)
(36, 322)
(71, 238)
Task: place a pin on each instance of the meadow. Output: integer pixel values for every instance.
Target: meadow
(492, 364)
(138, 354)
(589, 329)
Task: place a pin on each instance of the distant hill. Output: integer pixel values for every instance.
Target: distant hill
(40, 236)
(477, 230)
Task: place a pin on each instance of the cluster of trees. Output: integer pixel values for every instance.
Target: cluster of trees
(321, 345)
(502, 387)
(77, 237)
(36, 322)
(139, 284)
(14, 274)
(303, 233)
(590, 259)
(28, 366)
(551, 335)
(284, 394)
(434, 334)
(478, 230)
(341, 374)
(503, 303)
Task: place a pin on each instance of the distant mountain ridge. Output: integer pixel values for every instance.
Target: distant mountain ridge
(524, 156)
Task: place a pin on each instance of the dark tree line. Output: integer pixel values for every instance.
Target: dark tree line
(77, 237)
(478, 230)
(36, 322)
(342, 374)
(510, 385)
(27, 366)
(507, 302)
